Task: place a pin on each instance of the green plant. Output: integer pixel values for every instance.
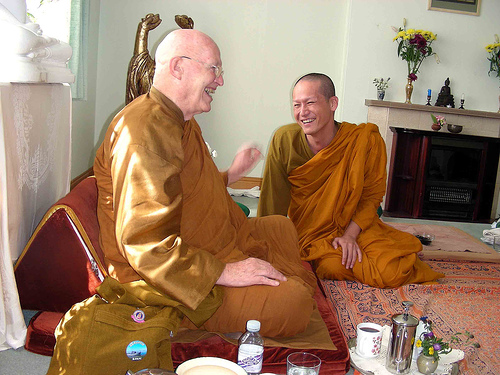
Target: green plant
(494, 57)
(431, 345)
(413, 47)
(380, 84)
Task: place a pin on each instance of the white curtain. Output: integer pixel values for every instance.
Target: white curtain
(35, 159)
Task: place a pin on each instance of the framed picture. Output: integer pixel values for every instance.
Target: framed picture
(470, 7)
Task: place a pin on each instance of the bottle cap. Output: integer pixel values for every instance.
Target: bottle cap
(253, 325)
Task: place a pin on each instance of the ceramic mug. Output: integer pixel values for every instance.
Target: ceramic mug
(368, 340)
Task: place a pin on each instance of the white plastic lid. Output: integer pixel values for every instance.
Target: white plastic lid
(253, 326)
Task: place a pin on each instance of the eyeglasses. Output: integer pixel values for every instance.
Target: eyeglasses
(217, 69)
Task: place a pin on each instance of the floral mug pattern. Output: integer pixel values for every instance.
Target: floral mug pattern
(368, 340)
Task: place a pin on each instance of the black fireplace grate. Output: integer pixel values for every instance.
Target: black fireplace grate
(450, 195)
(449, 214)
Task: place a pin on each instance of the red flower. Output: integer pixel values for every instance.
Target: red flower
(413, 76)
(420, 41)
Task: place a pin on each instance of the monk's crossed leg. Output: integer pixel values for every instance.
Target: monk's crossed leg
(283, 311)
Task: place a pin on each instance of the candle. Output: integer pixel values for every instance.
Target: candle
(463, 96)
(429, 92)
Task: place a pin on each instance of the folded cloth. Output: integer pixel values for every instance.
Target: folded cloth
(251, 193)
(489, 234)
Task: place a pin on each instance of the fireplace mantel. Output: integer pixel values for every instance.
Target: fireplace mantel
(431, 108)
(414, 116)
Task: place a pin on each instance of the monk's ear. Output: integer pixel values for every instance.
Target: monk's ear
(175, 67)
(334, 102)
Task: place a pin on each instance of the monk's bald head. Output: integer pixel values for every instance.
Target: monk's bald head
(327, 88)
(184, 42)
(188, 70)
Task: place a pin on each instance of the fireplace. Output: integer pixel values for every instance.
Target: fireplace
(439, 175)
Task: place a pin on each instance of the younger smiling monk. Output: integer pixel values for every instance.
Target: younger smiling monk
(330, 178)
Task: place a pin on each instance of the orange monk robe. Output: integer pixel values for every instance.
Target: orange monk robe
(322, 194)
(166, 217)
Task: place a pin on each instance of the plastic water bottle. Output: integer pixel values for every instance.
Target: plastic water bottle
(251, 349)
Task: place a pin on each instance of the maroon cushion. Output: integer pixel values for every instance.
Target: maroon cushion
(40, 337)
(83, 201)
(61, 263)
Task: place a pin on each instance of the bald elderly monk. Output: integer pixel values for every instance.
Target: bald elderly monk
(165, 214)
(329, 178)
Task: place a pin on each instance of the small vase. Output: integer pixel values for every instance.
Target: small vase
(409, 90)
(426, 364)
(436, 127)
(380, 94)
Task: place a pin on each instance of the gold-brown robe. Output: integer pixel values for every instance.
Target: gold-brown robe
(166, 217)
(322, 193)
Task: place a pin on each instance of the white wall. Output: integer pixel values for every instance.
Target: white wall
(460, 45)
(265, 46)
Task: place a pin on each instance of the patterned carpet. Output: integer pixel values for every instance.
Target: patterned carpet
(467, 299)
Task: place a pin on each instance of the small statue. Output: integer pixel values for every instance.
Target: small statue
(445, 99)
(142, 66)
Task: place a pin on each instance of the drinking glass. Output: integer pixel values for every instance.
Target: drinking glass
(302, 363)
(496, 243)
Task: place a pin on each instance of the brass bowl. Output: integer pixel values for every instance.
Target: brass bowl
(455, 128)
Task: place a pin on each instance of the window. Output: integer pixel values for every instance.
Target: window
(66, 20)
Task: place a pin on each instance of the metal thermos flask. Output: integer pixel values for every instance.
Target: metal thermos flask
(401, 340)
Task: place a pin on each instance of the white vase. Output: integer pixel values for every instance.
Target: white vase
(418, 336)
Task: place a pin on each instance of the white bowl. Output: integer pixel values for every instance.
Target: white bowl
(212, 361)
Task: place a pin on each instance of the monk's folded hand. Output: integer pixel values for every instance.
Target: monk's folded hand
(251, 271)
(350, 250)
(246, 158)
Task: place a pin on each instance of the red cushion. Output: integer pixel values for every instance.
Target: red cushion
(40, 334)
(83, 201)
(60, 264)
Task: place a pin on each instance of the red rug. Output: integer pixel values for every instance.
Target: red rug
(467, 299)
